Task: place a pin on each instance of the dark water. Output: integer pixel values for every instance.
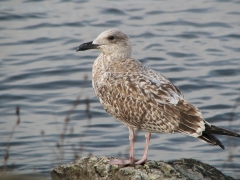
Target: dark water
(194, 43)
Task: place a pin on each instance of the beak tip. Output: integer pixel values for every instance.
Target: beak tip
(86, 46)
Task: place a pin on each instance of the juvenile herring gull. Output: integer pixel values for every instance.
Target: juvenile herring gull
(141, 98)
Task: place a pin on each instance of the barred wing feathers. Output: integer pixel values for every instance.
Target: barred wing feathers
(149, 102)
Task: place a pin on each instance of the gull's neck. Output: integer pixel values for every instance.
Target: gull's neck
(117, 56)
(108, 62)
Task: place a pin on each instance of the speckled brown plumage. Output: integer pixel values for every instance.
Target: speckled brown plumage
(140, 97)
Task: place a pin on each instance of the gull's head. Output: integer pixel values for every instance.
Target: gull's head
(110, 42)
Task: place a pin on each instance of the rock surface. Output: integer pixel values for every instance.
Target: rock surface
(98, 168)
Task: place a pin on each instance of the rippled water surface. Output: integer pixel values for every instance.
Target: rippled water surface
(194, 43)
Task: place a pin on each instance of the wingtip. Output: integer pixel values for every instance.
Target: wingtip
(222, 146)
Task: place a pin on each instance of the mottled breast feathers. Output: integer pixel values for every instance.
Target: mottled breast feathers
(142, 98)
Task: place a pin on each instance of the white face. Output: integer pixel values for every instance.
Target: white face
(114, 41)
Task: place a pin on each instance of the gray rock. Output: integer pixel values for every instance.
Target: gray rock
(98, 168)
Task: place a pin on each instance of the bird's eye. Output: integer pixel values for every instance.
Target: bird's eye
(111, 37)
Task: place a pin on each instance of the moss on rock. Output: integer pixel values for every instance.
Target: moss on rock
(98, 168)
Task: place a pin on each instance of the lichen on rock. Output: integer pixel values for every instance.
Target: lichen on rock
(98, 168)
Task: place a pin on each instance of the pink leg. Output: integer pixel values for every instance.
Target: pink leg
(131, 155)
(145, 154)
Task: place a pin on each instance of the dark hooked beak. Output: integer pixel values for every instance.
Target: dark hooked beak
(86, 46)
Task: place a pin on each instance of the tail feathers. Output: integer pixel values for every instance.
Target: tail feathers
(211, 139)
(217, 130)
